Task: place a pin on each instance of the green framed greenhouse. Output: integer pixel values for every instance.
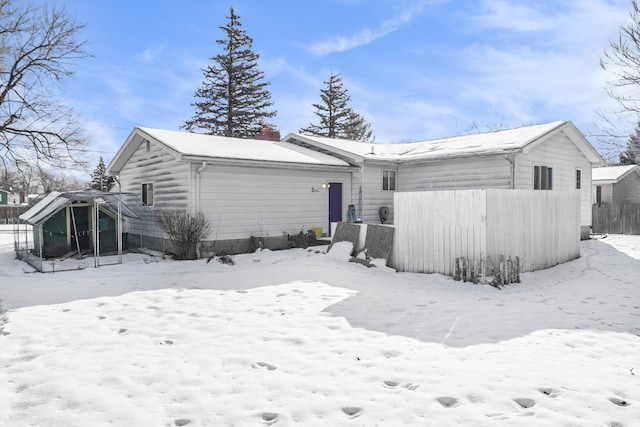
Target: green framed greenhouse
(79, 223)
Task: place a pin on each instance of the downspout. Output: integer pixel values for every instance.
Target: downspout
(116, 178)
(512, 176)
(362, 196)
(200, 169)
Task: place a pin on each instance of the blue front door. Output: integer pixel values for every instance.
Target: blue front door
(335, 203)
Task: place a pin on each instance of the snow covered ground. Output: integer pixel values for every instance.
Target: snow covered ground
(303, 338)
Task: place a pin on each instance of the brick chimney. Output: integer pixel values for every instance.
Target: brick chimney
(268, 134)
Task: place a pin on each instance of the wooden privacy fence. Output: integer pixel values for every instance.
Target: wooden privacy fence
(9, 214)
(435, 229)
(616, 219)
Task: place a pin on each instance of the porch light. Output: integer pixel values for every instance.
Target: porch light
(324, 187)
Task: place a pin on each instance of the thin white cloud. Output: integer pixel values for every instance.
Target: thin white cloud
(509, 15)
(553, 76)
(366, 36)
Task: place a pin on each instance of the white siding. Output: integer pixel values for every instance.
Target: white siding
(627, 191)
(374, 197)
(564, 157)
(170, 178)
(433, 228)
(606, 193)
(241, 201)
(457, 174)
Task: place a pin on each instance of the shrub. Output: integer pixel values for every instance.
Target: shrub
(185, 230)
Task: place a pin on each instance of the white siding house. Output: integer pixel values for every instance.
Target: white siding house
(552, 156)
(262, 189)
(616, 185)
(246, 188)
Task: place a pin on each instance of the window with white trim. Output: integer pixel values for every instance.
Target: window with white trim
(542, 178)
(389, 180)
(147, 194)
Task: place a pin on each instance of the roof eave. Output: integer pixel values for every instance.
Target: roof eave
(348, 156)
(575, 136)
(262, 163)
(460, 156)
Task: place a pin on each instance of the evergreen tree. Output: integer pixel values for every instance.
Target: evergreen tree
(358, 129)
(337, 119)
(631, 155)
(233, 99)
(99, 179)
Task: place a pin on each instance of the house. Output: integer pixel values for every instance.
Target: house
(616, 184)
(260, 190)
(551, 156)
(250, 190)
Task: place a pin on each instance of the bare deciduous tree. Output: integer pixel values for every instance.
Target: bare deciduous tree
(622, 60)
(37, 46)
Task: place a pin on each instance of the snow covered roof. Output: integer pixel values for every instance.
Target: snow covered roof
(612, 174)
(489, 143)
(52, 202)
(35, 212)
(193, 146)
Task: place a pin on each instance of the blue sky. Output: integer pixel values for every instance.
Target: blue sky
(415, 69)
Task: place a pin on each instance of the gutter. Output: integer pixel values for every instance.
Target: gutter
(456, 157)
(266, 163)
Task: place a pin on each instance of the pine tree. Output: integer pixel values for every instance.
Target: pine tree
(358, 129)
(99, 179)
(631, 155)
(233, 99)
(337, 119)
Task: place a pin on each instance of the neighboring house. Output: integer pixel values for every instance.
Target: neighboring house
(552, 156)
(246, 188)
(616, 184)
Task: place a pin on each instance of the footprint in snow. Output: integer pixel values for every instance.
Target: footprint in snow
(258, 365)
(619, 402)
(524, 402)
(270, 417)
(390, 384)
(448, 402)
(548, 392)
(410, 386)
(352, 411)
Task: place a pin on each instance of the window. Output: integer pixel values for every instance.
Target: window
(147, 145)
(388, 180)
(598, 194)
(578, 179)
(147, 194)
(542, 178)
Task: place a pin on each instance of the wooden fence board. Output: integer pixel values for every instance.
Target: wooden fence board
(9, 214)
(616, 219)
(435, 228)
